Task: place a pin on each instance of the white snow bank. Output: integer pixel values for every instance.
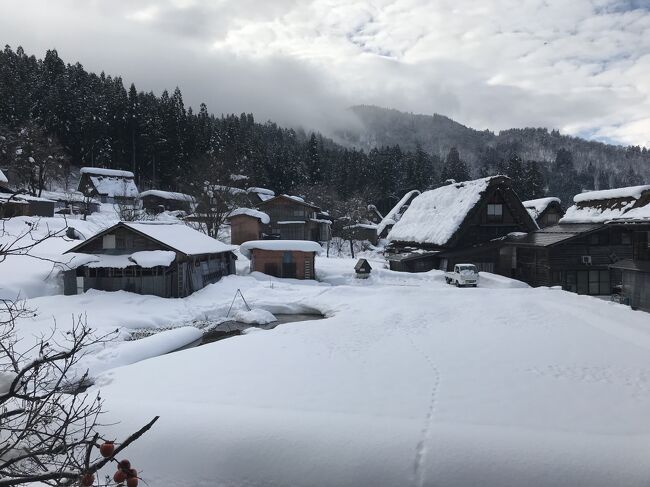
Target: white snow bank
(168, 195)
(113, 355)
(435, 215)
(634, 192)
(3, 178)
(263, 217)
(404, 385)
(153, 258)
(487, 279)
(254, 316)
(280, 245)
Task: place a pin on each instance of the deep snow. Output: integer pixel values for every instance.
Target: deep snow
(408, 381)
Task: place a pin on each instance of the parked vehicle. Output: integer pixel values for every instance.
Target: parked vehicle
(463, 275)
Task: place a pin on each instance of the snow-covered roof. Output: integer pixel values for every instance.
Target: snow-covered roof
(263, 217)
(394, 215)
(631, 203)
(115, 186)
(67, 196)
(111, 182)
(538, 206)
(3, 178)
(20, 197)
(258, 191)
(634, 192)
(167, 195)
(180, 237)
(291, 222)
(280, 245)
(225, 189)
(435, 215)
(145, 258)
(99, 171)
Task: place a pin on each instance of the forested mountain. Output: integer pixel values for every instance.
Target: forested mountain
(437, 134)
(55, 116)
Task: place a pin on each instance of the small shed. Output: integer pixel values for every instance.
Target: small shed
(247, 224)
(163, 259)
(282, 258)
(362, 269)
(108, 185)
(155, 201)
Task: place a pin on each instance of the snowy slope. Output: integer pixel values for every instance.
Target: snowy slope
(408, 381)
(405, 385)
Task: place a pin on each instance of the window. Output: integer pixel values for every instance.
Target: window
(108, 242)
(495, 212)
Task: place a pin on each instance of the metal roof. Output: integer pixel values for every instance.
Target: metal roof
(555, 234)
(632, 265)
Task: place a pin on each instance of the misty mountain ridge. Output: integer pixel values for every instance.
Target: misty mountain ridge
(437, 134)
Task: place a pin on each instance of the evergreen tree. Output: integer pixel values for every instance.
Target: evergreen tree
(454, 168)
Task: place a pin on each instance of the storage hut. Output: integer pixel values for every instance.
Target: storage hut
(247, 224)
(362, 269)
(282, 258)
(163, 259)
(155, 201)
(108, 185)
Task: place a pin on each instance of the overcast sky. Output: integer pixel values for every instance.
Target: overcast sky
(582, 66)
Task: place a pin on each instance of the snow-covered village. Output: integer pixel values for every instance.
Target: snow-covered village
(269, 279)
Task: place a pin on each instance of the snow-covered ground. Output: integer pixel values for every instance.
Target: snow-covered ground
(407, 381)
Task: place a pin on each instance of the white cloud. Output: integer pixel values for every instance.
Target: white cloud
(580, 66)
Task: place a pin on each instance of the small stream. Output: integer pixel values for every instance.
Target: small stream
(234, 328)
(219, 330)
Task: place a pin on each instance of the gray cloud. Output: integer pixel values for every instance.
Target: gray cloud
(580, 66)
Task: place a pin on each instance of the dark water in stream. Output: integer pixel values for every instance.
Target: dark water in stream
(229, 329)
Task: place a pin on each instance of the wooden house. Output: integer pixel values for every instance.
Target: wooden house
(457, 223)
(282, 258)
(108, 185)
(247, 224)
(155, 201)
(163, 259)
(545, 211)
(292, 218)
(582, 252)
